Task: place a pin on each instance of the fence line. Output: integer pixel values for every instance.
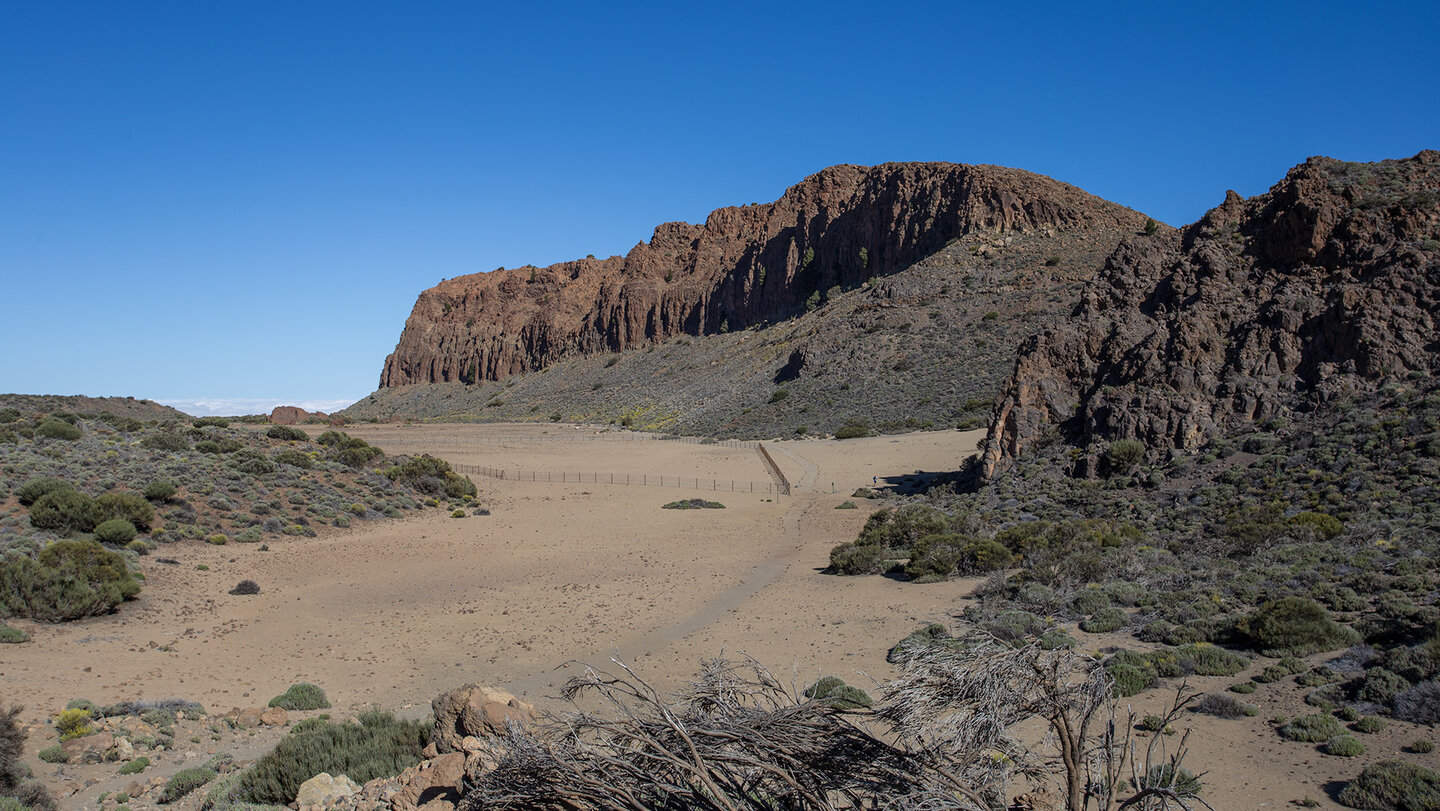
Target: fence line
(476, 440)
(632, 479)
(782, 483)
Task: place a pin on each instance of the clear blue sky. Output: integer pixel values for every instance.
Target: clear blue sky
(218, 201)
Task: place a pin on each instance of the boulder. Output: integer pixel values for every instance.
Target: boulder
(248, 718)
(433, 780)
(322, 790)
(475, 710)
(90, 748)
(274, 717)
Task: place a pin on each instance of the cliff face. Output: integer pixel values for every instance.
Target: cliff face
(745, 265)
(1268, 307)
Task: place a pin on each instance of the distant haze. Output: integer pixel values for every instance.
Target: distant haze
(235, 406)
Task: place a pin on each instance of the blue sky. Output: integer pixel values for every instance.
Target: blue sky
(238, 202)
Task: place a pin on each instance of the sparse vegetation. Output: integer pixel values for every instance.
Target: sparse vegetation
(302, 696)
(693, 504)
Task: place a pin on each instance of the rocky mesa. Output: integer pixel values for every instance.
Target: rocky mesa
(1268, 308)
(744, 266)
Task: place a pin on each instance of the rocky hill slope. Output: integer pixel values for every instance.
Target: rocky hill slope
(744, 266)
(1267, 309)
(80, 404)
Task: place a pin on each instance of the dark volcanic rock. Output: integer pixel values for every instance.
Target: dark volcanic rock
(746, 265)
(1267, 307)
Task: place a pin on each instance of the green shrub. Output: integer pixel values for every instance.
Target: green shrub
(252, 463)
(1394, 785)
(67, 580)
(853, 429)
(1104, 621)
(693, 504)
(1325, 526)
(1318, 677)
(932, 635)
(32, 490)
(160, 490)
(1197, 659)
(1244, 688)
(380, 746)
(1223, 706)
(1294, 626)
(131, 507)
(1125, 454)
(834, 691)
(135, 766)
(779, 395)
(854, 559)
(302, 696)
(53, 754)
(1344, 746)
(1131, 671)
(1422, 747)
(64, 511)
(1056, 638)
(846, 505)
(458, 514)
(115, 531)
(166, 441)
(295, 458)
(219, 446)
(73, 723)
(1314, 728)
(184, 782)
(51, 428)
(1369, 725)
(1380, 686)
(211, 422)
(287, 433)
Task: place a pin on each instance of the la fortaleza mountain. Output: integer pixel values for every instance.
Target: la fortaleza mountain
(746, 265)
(1267, 310)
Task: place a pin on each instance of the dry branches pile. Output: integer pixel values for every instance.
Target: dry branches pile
(737, 738)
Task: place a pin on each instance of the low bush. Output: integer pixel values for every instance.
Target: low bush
(219, 446)
(73, 723)
(1369, 725)
(1131, 671)
(64, 511)
(1314, 728)
(160, 490)
(693, 504)
(246, 587)
(853, 429)
(1318, 677)
(1244, 688)
(135, 766)
(834, 691)
(1222, 706)
(12, 636)
(131, 507)
(184, 782)
(302, 696)
(1104, 621)
(932, 635)
(287, 433)
(51, 428)
(1394, 785)
(54, 754)
(115, 531)
(1125, 454)
(32, 490)
(379, 746)
(1419, 704)
(211, 422)
(252, 463)
(1422, 746)
(166, 441)
(856, 559)
(67, 580)
(431, 476)
(1294, 626)
(846, 505)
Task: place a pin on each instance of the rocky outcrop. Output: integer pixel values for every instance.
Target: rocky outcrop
(1266, 308)
(294, 415)
(475, 711)
(745, 265)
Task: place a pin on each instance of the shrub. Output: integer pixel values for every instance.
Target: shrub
(1125, 454)
(64, 511)
(1422, 746)
(1182, 782)
(458, 514)
(74, 723)
(1222, 706)
(834, 691)
(211, 422)
(252, 463)
(302, 696)
(1394, 785)
(1199, 659)
(130, 507)
(115, 531)
(54, 754)
(32, 490)
(1295, 625)
(693, 504)
(1103, 621)
(219, 446)
(67, 580)
(853, 429)
(1369, 725)
(295, 458)
(1244, 688)
(1311, 728)
(246, 587)
(846, 505)
(1317, 677)
(1325, 526)
(380, 746)
(1056, 638)
(854, 559)
(932, 635)
(779, 395)
(135, 766)
(166, 441)
(430, 475)
(1419, 704)
(287, 433)
(160, 490)
(51, 428)
(184, 782)
(1131, 671)
(1380, 686)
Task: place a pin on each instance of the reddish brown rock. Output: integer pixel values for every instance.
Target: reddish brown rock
(274, 717)
(1264, 308)
(475, 710)
(745, 265)
(294, 415)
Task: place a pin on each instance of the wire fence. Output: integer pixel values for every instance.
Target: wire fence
(632, 479)
(520, 438)
(774, 470)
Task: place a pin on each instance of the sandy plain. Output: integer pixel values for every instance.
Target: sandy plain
(393, 614)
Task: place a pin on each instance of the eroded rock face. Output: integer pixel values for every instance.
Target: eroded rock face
(745, 265)
(1266, 307)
